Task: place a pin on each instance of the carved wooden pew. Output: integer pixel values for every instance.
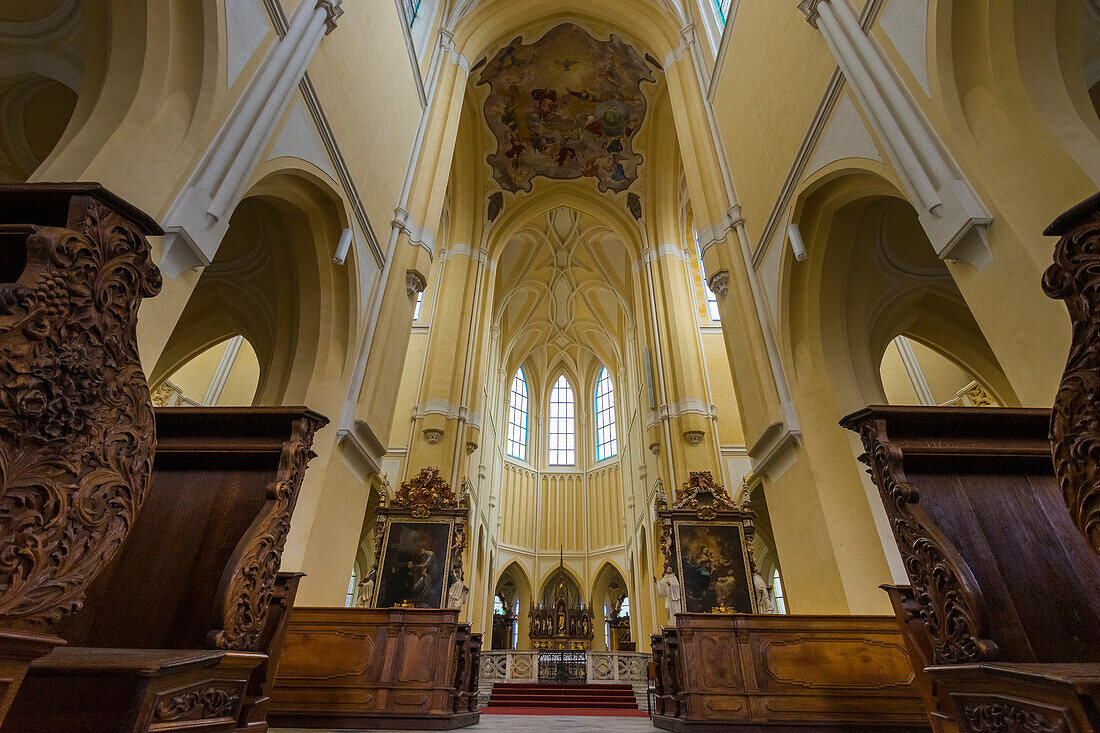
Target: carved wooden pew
(749, 672)
(999, 573)
(76, 421)
(177, 624)
(367, 668)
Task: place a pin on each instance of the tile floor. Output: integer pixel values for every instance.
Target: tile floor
(536, 724)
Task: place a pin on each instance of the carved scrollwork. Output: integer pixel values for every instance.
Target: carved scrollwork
(1075, 421)
(951, 604)
(199, 704)
(244, 603)
(76, 420)
(424, 492)
(703, 494)
(1000, 717)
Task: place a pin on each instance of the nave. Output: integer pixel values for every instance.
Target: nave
(426, 364)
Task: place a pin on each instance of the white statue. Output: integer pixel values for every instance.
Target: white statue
(763, 595)
(365, 595)
(668, 587)
(458, 592)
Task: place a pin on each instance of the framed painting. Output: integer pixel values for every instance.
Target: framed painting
(714, 566)
(413, 568)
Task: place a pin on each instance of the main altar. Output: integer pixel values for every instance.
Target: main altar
(563, 623)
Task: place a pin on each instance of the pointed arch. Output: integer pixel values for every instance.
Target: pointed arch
(519, 403)
(607, 444)
(561, 433)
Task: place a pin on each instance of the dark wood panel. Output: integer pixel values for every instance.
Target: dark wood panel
(376, 668)
(999, 572)
(775, 672)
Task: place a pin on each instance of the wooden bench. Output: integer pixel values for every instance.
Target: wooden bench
(752, 672)
(999, 573)
(197, 575)
(367, 668)
(76, 421)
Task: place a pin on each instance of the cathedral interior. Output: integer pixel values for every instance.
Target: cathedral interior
(706, 365)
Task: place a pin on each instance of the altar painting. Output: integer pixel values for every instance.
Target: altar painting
(714, 567)
(414, 564)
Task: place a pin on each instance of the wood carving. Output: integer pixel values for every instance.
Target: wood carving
(1001, 717)
(201, 704)
(76, 421)
(245, 593)
(702, 486)
(1075, 422)
(424, 492)
(950, 601)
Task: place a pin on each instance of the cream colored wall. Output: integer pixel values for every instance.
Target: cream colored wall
(1005, 98)
(195, 377)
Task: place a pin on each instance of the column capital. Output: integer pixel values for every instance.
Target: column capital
(719, 283)
(333, 11)
(414, 283)
(809, 8)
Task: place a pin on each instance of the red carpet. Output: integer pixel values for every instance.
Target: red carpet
(558, 699)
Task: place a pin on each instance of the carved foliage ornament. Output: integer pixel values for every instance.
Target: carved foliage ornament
(424, 492)
(76, 421)
(701, 493)
(199, 704)
(1008, 718)
(242, 611)
(1075, 436)
(950, 601)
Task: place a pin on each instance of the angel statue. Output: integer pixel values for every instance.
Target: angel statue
(668, 587)
(366, 588)
(764, 602)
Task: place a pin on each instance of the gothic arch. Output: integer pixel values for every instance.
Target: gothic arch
(273, 280)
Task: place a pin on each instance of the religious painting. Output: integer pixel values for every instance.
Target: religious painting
(714, 567)
(414, 563)
(565, 106)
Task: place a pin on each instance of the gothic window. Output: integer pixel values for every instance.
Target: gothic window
(606, 438)
(563, 431)
(517, 417)
(498, 606)
(419, 303)
(353, 588)
(712, 299)
(777, 590)
(722, 9)
(412, 9)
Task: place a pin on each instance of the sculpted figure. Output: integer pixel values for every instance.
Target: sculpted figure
(459, 591)
(763, 595)
(365, 595)
(668, 588)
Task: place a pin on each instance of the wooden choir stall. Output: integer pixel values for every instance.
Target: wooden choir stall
(723, 666)
(406, 662)
(148, 542)
(996, 512)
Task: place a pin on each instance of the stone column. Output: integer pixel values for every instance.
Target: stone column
(955, 221)
(199, 218)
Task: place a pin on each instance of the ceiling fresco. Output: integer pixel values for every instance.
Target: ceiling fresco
(566, 106)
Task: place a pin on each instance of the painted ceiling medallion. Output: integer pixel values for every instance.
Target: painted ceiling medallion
(566, 106)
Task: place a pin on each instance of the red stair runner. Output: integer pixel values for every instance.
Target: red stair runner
(513, 698)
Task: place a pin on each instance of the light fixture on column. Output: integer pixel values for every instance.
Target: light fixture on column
(797, 245)
(342, 247)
